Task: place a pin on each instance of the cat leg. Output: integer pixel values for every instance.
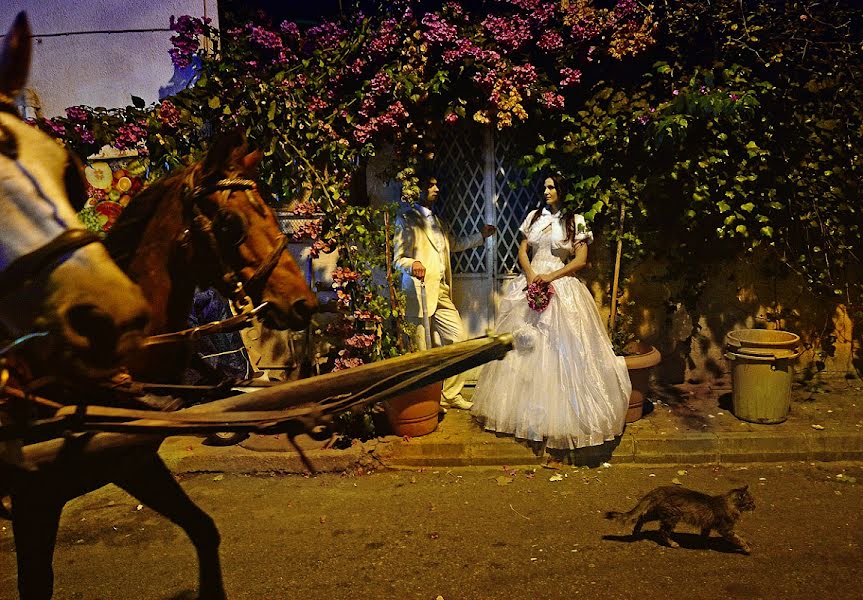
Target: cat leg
(665, 529)
(705, 531)
(735, 539)
(638, 525)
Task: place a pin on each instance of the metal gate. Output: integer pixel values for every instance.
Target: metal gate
(480, 184)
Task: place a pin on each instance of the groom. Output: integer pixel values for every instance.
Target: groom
(421, 251)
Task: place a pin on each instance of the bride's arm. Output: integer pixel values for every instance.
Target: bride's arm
(578, 262)
(524, 261)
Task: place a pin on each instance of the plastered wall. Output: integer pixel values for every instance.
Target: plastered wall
(83, 55)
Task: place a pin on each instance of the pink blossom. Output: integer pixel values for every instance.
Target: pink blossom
(582, 30)
(381, 83)
(85, 134)
(524, 74)
(451, 118)
(550, 41)
(439, 30)
(326, 35)
(386, 38)
(342, 275)
(129, 135)
(290, 29)
(76, 114)
(316, 104)
(264, 38)
(542, 14)
(509, 32)
(553, 101)
(570, 77)
(539, 295)
(342, 363)
(466, 49)
(367, 316)
(186, 41)
(57, 128)
(169, 115)
(361, 341)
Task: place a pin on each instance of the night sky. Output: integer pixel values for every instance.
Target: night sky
(304, 12)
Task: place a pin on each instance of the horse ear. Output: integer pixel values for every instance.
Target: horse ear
(252, 160)
(222, 150)
(15, 57)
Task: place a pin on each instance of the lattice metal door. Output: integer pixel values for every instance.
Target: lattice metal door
(480, 184)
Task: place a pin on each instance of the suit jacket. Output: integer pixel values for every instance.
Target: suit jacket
(414, 240)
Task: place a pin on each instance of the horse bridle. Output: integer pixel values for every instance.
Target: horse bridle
(48, 257)
(204, 227)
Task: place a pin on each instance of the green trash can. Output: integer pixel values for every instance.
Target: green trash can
(761, 373)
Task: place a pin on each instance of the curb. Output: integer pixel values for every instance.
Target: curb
(186, 455)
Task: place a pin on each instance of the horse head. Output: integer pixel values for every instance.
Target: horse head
(209, 225)
(247, 249)
(55, 278)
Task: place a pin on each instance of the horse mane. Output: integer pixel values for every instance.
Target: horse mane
(126, 234)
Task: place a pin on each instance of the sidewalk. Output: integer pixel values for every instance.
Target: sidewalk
(686, 424)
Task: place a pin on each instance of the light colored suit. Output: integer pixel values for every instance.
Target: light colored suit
(415, 240)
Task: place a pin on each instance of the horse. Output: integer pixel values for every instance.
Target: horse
(207, 225)
(61, 296)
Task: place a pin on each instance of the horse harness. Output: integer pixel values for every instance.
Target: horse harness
(225, 228)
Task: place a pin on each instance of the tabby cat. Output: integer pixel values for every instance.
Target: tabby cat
(672, 504)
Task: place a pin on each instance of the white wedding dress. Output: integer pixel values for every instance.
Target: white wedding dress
(562, 383)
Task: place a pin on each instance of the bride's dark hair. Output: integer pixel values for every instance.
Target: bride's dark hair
(567, 213)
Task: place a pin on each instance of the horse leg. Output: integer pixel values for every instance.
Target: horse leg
(152, 483)
(34, 525)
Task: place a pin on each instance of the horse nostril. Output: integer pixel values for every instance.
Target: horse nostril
(91, 322)
(303, 309)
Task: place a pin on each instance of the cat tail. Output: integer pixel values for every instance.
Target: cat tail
(628, 518)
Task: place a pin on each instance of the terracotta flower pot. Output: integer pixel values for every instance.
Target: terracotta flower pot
(641, 358)
(415, 413)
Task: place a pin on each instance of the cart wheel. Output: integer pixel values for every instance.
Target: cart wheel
(225, 438)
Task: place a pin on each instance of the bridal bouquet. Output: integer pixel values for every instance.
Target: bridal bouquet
(539, 295)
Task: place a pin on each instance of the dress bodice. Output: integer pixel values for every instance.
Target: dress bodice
(548, 240)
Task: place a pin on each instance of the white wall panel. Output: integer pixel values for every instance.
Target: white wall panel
(101, 69)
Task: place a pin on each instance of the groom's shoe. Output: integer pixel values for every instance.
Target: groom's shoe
(461, 403)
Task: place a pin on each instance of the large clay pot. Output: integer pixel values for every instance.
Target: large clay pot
(415, 413)
(640, 358)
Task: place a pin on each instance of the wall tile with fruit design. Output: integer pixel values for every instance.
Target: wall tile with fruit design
(111, 184)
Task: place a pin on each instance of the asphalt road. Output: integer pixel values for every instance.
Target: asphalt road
(465, 534)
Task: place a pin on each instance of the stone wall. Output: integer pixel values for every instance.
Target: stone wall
(741, 292)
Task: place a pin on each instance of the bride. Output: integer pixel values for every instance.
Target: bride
(563, 384)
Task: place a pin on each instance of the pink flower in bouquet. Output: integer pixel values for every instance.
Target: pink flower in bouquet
(539, 295)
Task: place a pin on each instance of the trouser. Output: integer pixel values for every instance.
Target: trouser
(446, 328)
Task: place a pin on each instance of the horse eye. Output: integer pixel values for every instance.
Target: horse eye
(73, 179)
(230, 228)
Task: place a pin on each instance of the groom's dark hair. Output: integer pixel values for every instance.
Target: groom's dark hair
(424, 173)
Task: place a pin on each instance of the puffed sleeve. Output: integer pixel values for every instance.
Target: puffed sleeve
(525, 226)
(582, 233)
(560, 240)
